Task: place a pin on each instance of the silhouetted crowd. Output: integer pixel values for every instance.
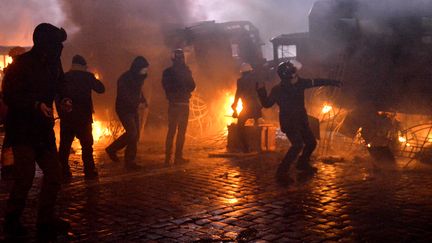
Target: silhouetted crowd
(35, 81)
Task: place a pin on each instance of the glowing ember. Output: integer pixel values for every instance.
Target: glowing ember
(326, 109)
(402, 139)
(97, 75)
(369, 145)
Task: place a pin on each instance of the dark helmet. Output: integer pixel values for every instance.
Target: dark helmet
(48, 34)
(286, 70)
(177, 54)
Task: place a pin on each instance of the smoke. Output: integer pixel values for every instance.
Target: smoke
(18, 18)
(110, 33)
(271, 17)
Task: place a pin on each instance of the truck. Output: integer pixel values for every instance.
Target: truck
(382, 51)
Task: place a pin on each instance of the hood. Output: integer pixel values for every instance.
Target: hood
(138, 63)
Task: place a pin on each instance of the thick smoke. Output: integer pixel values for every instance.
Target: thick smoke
(19, 17)
(272, 17)
(111, 33)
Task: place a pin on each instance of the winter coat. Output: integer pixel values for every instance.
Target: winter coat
(178, 83)
(129, 85)
(78, 85)
(28, 82)
(290, 99)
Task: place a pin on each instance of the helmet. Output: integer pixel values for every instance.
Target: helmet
(245, 67)
(177, 54)
(286, 70)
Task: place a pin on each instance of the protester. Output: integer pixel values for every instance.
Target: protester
(129, 97)
(178, 84)
(293, 118)
(30, 85)
(251, 105)
(75, 111)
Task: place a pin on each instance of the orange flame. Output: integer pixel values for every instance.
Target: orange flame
(99, 131)
(5, 60)
(326, 109)
(97, 75)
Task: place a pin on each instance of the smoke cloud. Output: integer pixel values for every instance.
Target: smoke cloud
(18, 18)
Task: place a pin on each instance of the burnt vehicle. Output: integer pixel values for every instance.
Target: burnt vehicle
(216, 50)
(382, 51)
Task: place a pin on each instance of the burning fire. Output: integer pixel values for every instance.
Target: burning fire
(326, 109)
(5, 61)
(402, 139)
(239, 107)
(229, 112)
(97, 75)
(99, 131)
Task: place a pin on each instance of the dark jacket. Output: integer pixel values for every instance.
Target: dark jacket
(29, 81)
(290, 99)
(178, 83)
(78, 85)
(129, 94)
(247, 93)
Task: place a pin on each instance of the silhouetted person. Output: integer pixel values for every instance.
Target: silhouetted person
(246, 91)
(30, 86)
(6, 152)
(75, 113)
(178, 84)
(129, 97)
(293, 118)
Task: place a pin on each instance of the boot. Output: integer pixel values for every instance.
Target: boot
(112, 155)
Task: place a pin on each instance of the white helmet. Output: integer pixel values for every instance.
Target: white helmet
(296, 64)
(245, 67)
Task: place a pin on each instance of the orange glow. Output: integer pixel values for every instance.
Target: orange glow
(326, 109)
(239, 107)
(97, 75)
(5, 61)
(228, 110)
(99, 131)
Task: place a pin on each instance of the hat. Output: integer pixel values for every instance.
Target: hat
(78, 59)
(48, 34)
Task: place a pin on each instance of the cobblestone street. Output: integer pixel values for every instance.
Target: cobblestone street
(238, 199)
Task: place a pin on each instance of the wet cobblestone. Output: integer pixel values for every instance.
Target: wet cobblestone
(222, 199)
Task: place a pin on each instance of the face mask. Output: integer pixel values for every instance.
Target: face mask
(143, 71)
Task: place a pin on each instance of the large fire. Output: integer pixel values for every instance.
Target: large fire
(5, 60)
(229, 112)
(100, 131)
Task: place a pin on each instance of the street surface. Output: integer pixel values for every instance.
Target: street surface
(238, 200)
